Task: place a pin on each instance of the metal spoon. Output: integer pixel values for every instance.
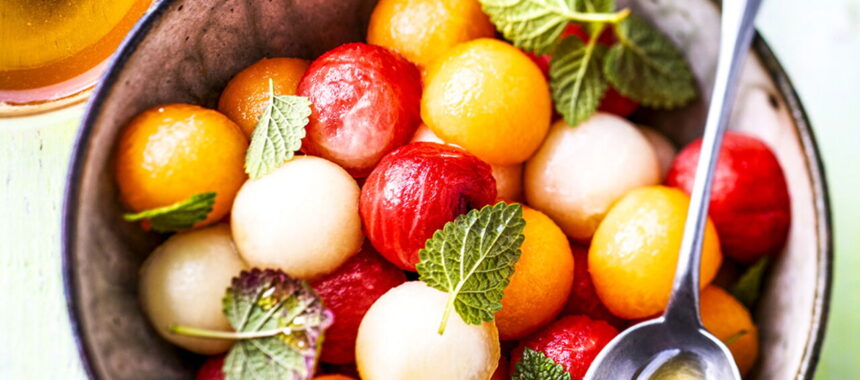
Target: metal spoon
(677, 343)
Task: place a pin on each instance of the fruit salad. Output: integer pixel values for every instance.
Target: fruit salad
(465, 195)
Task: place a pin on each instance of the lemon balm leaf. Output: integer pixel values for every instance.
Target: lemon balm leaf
(576, 79)
(178, 216)
(646, 67)
(278, 323)
(536, 366)
(278, 134)
(535, 25)
(643, 65)
(472, 259)
(264, 301)
(748, 287)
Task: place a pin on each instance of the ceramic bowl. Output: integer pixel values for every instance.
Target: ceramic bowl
(187, 50)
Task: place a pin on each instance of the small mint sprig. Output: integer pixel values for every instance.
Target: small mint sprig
(181, 215)
(279, 324)
(536, 25)
(642, 65)
(278, 134)
(536, 366)
(472, 259)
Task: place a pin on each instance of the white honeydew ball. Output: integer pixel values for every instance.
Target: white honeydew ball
(578, 172)
(301, 218)
(664, 149)
(398, 339)
(509, 179)
(184, 281)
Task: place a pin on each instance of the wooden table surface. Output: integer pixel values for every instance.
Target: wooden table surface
(818, 42)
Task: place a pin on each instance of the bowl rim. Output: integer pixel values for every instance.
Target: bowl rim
(776, 72)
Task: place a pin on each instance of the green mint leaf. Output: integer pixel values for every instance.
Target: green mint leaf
(269, 300)
(748, 287)
(533, 25)
(646, 67)
(278, 134)
(576, 79)
(536, 366)
(178, 216)
(472, 259)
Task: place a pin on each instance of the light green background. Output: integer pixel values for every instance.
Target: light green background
(818, 42)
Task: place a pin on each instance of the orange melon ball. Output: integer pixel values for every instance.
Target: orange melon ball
(509, 182)
(489, 98)
(247, 94)
(542, 278)
(422, 30)
(170, 153)
(635, 249)
(730, 322)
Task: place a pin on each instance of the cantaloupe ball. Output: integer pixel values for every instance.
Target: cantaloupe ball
(301, 218)
(509, 178)
(490, 98)
(579, 172)
(183, 282)
(633, 254)
(509, 182)
(398, 339)
(664, 149)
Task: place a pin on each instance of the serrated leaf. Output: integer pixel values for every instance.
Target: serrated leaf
(269, 300)
(646, 67)
(178, 216)
(536, 366)
(278, 134)
(576, 79)
(533, 25)
(748, 287)
(473, 258)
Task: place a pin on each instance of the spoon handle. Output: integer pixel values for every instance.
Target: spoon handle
(735, 37)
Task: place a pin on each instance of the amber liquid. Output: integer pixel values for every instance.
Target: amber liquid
(674, 365)
(50, 49)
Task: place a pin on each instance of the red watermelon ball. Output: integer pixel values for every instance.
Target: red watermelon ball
(572, 342)
(750, 204)
(414, 191)
(212, 369)
(365, 102)
(349, 292)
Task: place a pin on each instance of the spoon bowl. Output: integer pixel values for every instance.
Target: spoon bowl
(650, 351)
